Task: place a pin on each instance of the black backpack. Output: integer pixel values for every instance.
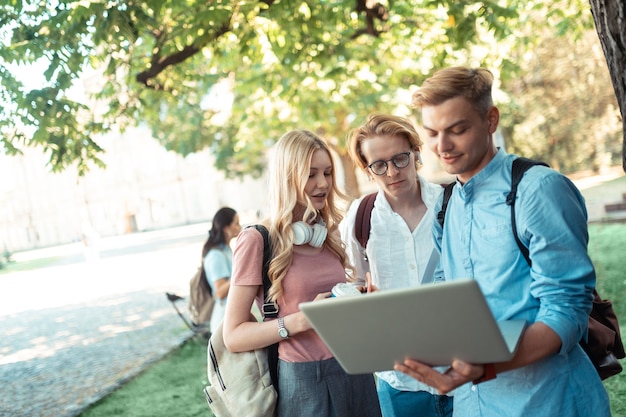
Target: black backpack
(604, 343)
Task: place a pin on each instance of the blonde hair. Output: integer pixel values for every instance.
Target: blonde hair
(288, 175)
(380, 125)
(473, 84)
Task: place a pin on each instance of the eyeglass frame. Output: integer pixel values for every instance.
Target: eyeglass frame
(386, 162)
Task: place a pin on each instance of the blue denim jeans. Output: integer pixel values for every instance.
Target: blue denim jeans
(396, 403)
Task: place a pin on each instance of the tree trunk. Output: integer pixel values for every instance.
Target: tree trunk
(610, 19)
(351, 182)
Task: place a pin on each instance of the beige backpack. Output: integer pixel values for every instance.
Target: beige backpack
(243, 383)
(201, 299)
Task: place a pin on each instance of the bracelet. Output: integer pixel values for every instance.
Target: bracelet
(488, 374)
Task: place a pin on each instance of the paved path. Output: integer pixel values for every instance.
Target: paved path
(73, 332)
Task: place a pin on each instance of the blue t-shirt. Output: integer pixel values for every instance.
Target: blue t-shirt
(218, 264)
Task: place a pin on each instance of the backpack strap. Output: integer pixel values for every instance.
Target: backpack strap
(520, 166)
(270, 309)
(447, 192)
(204, 282)
(362, 222)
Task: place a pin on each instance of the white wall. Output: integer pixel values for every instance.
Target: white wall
(144, 187)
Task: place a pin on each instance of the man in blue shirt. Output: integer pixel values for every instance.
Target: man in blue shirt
(550, 374)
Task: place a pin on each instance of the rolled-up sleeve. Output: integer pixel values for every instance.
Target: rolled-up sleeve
(553, 224)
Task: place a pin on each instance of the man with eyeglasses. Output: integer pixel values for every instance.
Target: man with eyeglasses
(400, 241)
(550, 374)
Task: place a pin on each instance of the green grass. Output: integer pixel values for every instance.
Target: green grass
(173, 386)
(606, 248)
(38, 263)
(170, 388)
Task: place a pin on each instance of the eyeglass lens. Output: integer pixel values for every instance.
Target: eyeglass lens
(400, 160)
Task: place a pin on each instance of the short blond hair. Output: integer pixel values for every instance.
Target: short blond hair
(473, 84)
(380, 125)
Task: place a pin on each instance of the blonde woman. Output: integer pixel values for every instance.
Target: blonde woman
(308, 260)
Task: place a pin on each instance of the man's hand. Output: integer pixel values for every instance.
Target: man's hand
(370, 287)
(458, 374)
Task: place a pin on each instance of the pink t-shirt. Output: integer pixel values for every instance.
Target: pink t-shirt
(308, 276)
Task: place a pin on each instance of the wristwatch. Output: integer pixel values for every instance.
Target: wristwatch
(488, 374)
(282, 331)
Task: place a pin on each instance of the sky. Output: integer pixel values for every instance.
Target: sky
(30, 75)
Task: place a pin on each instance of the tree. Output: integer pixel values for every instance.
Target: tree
(316, 64)
(561, 107)
(609, 17)
(284, 64)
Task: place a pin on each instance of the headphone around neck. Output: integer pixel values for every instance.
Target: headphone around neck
(304, 233)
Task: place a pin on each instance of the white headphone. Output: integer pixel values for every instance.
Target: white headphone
(304, 233)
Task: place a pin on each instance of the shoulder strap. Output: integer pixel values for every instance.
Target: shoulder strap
(362, 223)
(447, 192)
(204, 283)
(270, 310)
(520, 166)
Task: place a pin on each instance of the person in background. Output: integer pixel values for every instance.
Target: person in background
(217, 258)
(308, 260)
(550, 374)
(400, 245)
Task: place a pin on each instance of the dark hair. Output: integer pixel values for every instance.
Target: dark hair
(222, 218)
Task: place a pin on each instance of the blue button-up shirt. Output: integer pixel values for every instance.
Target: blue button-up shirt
(477, 242)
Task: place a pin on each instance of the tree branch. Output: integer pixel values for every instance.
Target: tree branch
(159, 64)
(372, 11)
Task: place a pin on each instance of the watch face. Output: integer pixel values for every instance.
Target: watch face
(283, 333)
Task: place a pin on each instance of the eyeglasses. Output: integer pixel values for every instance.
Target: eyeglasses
(400, 161)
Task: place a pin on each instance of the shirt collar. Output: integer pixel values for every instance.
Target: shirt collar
(485, 173)
(429, 192)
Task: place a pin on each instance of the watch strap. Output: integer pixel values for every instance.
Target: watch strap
(282, 330)
(489, 373)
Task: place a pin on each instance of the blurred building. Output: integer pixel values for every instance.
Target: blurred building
(144, 187)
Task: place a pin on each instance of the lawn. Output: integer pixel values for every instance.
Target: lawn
(606, 248)
(173, 386)
(170, 388)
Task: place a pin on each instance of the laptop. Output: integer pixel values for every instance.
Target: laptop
(432, 323)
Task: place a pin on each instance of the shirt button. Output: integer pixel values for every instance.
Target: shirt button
(473, 387)
(412, 266)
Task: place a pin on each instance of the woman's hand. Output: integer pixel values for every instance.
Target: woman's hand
(322, 295)
(297, 322)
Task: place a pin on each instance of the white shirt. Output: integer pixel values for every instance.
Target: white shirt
(397, 257)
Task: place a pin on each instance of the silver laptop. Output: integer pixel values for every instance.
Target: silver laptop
(433, 323)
